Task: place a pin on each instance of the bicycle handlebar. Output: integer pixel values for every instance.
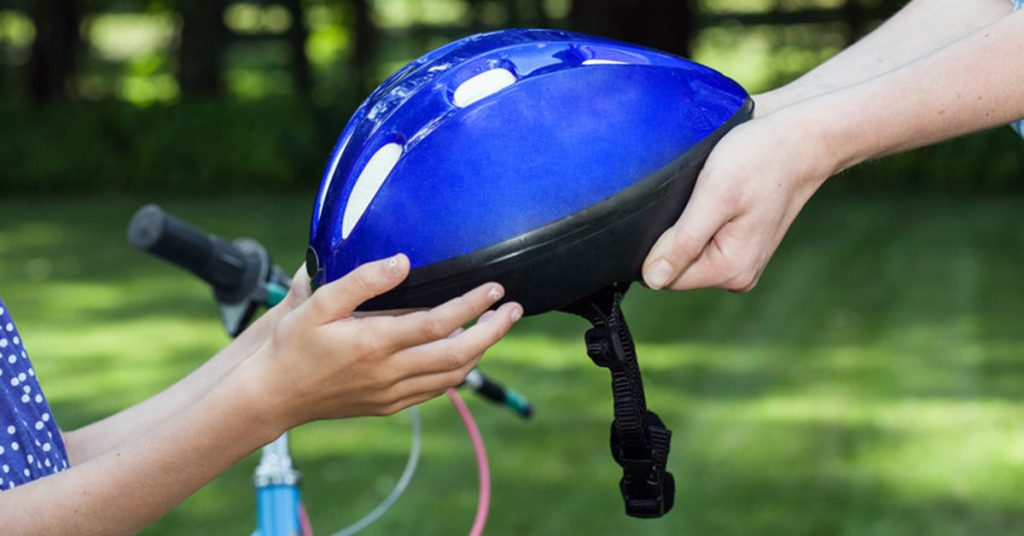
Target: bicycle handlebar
(243, 278)
(231, 268)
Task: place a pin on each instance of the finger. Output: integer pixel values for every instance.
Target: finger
(682, 244)
(301, 278)
(729, 261)
(298, 289)
(483, 318)
(385, 312)
(708, 272)
(410, 401)
(705, 272)
(339, 298)
(482, 335)
(436, 381)
(455, 353)
(438, 323)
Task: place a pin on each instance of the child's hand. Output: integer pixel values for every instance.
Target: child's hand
(323, 362)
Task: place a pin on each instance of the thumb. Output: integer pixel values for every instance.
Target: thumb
(340, 298)
(298, 290)
(682, 244)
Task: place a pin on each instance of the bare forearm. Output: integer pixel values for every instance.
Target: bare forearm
(102, 436)
(920, 28)
(124, 489)
(972, 84)
(318, 361)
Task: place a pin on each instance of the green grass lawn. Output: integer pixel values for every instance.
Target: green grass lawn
(872, 384)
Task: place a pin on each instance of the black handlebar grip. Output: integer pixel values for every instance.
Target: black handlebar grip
(491, 390)
(213, 259)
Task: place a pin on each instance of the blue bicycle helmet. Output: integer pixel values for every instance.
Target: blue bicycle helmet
(544, 160)
(547, 161)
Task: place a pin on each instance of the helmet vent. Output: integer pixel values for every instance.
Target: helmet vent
(328, 178)
(368, 183)
(483, 85)
(597, 61)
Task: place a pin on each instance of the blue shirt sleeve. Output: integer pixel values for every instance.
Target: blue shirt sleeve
(31, 446)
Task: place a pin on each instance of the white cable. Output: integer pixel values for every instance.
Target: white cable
(403, 481)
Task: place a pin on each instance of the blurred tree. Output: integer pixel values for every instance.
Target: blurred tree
(475, 22)
(55, 47)
(663, 24)
(524, 13)
(298, 34)
(853, 18)
(364, 45)
(201, 47)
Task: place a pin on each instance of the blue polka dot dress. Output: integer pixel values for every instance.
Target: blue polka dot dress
(30, 443)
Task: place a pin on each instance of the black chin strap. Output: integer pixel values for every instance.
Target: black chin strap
(639, 440)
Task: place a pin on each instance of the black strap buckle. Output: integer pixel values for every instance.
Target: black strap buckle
(639, 440)
(648, 489)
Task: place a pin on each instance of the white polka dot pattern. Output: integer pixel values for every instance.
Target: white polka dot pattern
(30, 442)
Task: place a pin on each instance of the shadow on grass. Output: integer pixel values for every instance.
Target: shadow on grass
(799, 479)
(780, 399)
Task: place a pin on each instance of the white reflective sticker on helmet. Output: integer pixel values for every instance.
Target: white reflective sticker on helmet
(595, 61)
(369, 182)
(483, 85)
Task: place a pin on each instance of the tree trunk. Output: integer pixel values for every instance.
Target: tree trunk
(663, 24)
(55, 48)
(297, 36)
(853, 16)
(365, 50)
(475, 24)
(201, 47)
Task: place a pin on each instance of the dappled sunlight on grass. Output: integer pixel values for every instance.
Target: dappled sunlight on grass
(871, 384)
(967, 451)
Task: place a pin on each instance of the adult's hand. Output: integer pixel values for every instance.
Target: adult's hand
(753, 185)
(760, 175)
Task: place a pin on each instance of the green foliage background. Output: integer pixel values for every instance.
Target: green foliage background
(191, 146)
(282, 144)
(129, 128)
(871, 384)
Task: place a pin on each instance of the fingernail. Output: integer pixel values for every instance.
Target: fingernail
(495, 293)
(517, 313)
(392, 265)
(659, 274)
